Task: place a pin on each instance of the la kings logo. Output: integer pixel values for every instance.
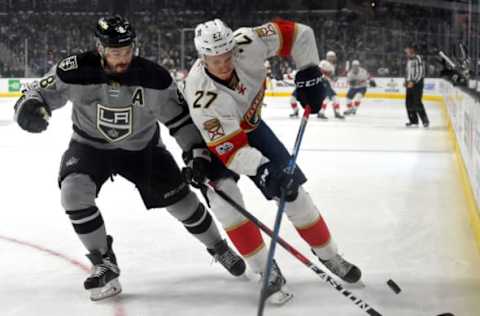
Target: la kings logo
(68, 63)
(115, 124)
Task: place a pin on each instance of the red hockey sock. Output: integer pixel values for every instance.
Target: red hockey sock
(246, 237)
(356, 104)
(336, 106)
(316, 234)
(349, 105)
(294, 105)
(324, 106)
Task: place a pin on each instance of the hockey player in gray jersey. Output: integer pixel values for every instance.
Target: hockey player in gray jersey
(117, 100)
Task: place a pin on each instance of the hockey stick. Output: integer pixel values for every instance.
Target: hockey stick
(281, 207)
(290, 249)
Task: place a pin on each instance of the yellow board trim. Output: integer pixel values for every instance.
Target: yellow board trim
(472, 206)
(10, 94)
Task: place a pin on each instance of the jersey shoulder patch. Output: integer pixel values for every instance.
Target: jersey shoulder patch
(84, 68)
(265, 30)
(68, 63)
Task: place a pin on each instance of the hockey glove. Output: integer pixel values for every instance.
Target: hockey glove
(372, 83)
(272, 181)
(310, 88)
(31, 114)
(198, 163)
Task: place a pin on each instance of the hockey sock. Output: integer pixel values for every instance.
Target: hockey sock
(336, 107)
(249, 242)
(310, 225)
(323, 108)
(356, 104)
(88, 224)
(349, 105)
(196, 219)
(201, 225)
(317, 235)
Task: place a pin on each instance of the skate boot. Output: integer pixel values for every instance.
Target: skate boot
(354, 111)
(294, 114)
(410, 124)
(339, 116)
(343, 269)
(349, 112)
(277, 292)
(322, 116)
(103, 280)
(228, 258)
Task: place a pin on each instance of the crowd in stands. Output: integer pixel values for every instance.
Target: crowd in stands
(44, 34)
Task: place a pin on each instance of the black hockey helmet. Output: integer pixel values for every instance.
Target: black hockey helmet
(114, 31)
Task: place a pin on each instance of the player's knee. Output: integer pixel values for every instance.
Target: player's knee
(224, 212)
(78, 192)
(301, 211)
(184, 208)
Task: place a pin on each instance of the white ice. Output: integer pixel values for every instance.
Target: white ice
(391, 195)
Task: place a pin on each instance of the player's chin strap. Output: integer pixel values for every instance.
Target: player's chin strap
(355, 299)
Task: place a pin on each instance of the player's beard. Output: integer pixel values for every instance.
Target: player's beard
(117, 69)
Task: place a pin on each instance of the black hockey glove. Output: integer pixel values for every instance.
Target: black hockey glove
(197, 163)
(31, 114)
(272, 180)
(372, 83)
(310, 88)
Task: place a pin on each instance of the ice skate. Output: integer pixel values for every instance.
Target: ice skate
(345, 270)
(322, 116)
(103, 280)
(277, 291)
(348, 112)
(294, 114)
(228, 258)
(410, 124)
(339, 116)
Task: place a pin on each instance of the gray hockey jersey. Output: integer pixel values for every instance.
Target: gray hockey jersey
(111, 112)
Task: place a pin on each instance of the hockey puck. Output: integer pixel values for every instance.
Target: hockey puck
(394, 286)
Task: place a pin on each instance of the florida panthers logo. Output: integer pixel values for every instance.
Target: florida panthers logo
(115, 124)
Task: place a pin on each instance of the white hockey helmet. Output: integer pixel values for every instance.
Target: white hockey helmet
(213, 38)
(355, 63)
(331, 53)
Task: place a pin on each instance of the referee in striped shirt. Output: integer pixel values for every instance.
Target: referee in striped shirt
(414, 85)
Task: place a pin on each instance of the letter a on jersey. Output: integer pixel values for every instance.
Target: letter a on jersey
(114, 124)
(138, 97)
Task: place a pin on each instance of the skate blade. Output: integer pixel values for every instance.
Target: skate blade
(281, 297)
(110, 289)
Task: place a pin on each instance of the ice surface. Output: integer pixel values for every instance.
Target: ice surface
(391, 195)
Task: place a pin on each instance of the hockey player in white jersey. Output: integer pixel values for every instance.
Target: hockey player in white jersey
(224, 90)
(328, 67)
(358, 78)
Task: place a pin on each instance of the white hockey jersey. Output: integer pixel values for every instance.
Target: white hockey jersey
(225, 114)
(358, 79)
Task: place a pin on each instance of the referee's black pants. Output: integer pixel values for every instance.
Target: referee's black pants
(415, 108)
